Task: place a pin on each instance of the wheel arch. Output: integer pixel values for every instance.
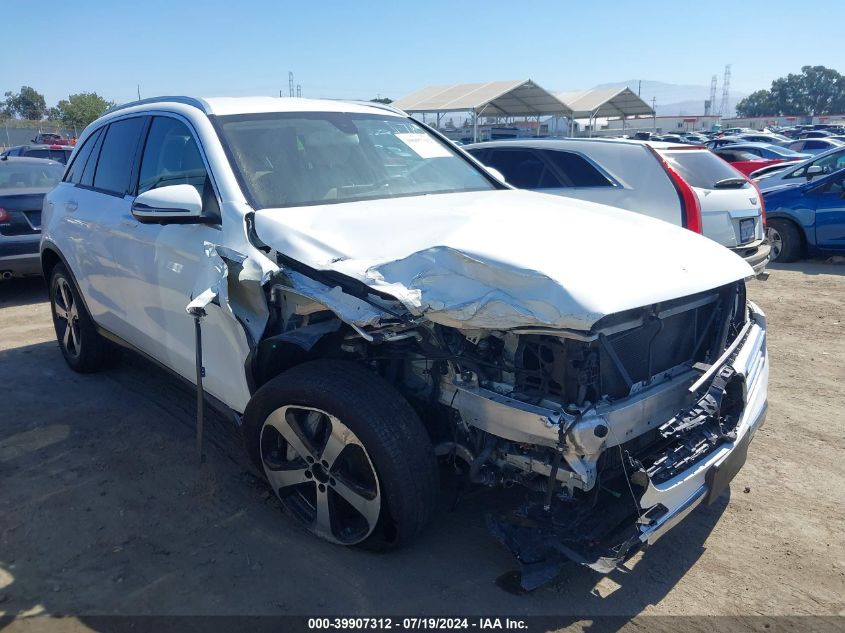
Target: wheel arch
(281, 352)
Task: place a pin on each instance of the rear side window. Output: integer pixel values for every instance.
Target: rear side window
(74, 174)
(815, 145)
(522, 169)
(114, 166)
(91, 166)
(700, 168)
(577, 169)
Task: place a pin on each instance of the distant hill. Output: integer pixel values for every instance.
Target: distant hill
(677, 98)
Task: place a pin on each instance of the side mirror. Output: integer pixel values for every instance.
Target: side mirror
(813, 170)
(174, 204)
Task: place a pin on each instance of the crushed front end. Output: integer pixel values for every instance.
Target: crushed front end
(618, 433)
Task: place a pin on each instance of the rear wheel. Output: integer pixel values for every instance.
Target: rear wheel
(83, 348)
(786, 241)
(345, 454)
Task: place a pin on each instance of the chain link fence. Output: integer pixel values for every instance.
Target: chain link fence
(12, 133)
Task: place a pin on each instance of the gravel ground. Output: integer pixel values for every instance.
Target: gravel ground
(104, 510)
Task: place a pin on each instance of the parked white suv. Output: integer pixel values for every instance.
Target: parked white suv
(686, 185)
(365, 297)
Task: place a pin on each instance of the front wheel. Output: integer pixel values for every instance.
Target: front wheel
(345, 454)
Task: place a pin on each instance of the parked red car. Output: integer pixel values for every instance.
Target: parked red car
(746, 162)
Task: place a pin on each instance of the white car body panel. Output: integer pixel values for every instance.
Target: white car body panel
(722, 210)
(515, 268)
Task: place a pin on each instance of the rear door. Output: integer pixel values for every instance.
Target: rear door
(731, 213)
(94, 204)
(828, 201)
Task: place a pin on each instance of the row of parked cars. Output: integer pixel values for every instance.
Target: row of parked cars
(793, 194)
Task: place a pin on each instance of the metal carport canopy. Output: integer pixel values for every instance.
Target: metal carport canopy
(521, 97)
(604, 102)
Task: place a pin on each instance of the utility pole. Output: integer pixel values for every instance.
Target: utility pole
(290, 83)
(639, 87)
(139, 91)
(654, 113)
(298, 90)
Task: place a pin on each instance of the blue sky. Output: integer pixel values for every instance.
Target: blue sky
(358, 49)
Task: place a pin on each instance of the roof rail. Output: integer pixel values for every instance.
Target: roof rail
(200, 104)
(376, 104)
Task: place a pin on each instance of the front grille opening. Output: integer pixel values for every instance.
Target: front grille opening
(681, 332)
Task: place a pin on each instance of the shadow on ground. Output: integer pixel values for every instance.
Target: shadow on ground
(810, 267)
(21, 292)
(104, 510)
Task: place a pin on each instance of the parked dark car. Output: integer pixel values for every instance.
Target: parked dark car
(23, 183)
(58, 153)
(808, 219)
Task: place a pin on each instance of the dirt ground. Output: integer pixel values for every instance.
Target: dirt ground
(104, 510)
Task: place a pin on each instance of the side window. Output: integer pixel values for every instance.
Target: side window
(814, 145)
(521, 168)
(578, 170)
(755, 150)
(171, 157)
(120, 145)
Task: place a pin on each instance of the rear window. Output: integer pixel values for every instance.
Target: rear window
(15, 175)
(700, 169)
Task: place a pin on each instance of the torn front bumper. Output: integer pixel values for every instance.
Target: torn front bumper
(641, 510)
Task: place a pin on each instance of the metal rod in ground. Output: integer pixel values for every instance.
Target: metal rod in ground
(200, 394)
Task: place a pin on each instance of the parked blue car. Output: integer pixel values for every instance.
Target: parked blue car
(807, 219)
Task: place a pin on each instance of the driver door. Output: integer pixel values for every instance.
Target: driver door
(164, 263)
(830, 214)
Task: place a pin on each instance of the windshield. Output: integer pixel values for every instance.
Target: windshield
(700, 168)
(34, 175)
(292, 158)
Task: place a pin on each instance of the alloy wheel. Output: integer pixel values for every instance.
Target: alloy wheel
(776, 240)
(321, 473)
(67, 316)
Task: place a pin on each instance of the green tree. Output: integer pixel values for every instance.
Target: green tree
(816, 90)
(383, 100)
(758, 103)
(27, 104)
(80, 109)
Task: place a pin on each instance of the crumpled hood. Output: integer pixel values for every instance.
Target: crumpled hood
(503, 259)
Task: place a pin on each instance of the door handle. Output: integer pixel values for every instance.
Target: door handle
(71, 205)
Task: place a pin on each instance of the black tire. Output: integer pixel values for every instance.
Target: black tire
(84, 349)
(791, 244)
(392, 435)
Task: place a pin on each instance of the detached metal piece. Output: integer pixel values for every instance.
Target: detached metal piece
(198, 314)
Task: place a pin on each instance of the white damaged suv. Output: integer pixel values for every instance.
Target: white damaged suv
(369, 299)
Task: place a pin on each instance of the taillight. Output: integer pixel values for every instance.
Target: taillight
(762, 201)
(4, 216)
(690, 206)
